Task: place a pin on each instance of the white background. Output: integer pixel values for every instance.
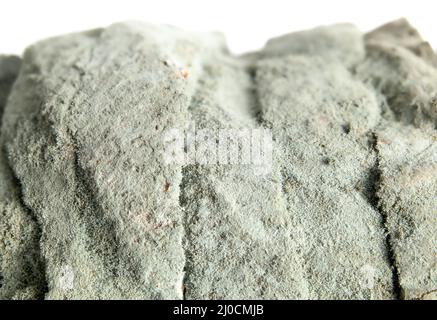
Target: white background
(246, 24)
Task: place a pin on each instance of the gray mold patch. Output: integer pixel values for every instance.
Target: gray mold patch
(345, 210)
(21, 266)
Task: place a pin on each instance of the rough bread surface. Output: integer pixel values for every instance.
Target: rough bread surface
(347, 210)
